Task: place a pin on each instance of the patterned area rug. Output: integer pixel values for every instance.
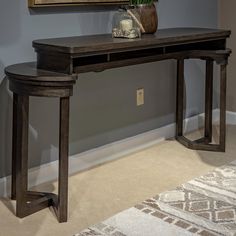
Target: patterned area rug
(204, 206)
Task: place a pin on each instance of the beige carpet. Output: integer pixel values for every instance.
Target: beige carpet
(203, 206)
(101, 192)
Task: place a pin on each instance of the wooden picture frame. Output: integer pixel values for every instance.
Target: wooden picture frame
(48, 3)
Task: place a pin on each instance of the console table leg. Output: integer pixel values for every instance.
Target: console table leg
(14, 135)
(223, 77)
(208, 100)
(204, 143)
(180, 98)
(63, 159)
(21, 107)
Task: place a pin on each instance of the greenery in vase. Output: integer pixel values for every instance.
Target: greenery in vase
(137, 2)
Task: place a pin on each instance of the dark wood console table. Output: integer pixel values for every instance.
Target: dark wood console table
(59, 60)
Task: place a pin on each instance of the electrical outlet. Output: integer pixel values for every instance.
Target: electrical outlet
(140, 97)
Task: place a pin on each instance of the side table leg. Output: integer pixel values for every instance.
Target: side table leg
(28, 202)
(63, 159)
(21, 150)
(208, 100)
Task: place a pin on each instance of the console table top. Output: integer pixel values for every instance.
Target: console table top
(99, 43)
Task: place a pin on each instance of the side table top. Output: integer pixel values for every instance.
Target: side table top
(29, 72)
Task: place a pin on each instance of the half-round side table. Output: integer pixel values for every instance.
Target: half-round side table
(26, 80)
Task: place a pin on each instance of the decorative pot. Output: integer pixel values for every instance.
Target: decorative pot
(148, 17)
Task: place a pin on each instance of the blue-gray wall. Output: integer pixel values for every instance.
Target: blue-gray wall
(103, 107)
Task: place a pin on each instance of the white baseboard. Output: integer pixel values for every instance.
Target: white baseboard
(109, 152)
(231, 118)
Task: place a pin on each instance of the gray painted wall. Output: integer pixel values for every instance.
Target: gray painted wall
(103, 107)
